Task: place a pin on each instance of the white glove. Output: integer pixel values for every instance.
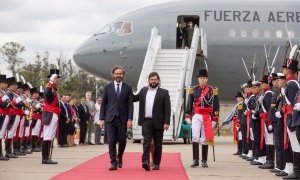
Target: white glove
(27, 112)
(253, 117)
(270, 127)
(297, 107)
(5, 97)
(38, 106)
(278, 115)
(213, 124)
(53, 76)
(283, 91)
(237, 129)
(19, 99)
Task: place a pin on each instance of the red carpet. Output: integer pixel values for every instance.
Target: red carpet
(97, 168)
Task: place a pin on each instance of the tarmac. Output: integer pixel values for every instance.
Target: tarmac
(225, 167)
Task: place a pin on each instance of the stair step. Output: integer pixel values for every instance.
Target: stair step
(164, 63)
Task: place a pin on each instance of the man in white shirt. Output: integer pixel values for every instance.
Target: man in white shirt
(97, 122)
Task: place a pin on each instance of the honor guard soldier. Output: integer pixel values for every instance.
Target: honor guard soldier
(203, 108)
(36, 119)
(243, 119)
(250, 103)
(290, 67)
(266, 130)
(4, 113)
(15, 115)
(50, 115)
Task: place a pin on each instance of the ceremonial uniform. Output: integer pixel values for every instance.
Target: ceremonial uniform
(4, 115)
(50, 116)
(203, 108)
(16, 113)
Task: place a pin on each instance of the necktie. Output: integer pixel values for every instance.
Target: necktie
(118, 90)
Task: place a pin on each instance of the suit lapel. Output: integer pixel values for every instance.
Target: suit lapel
(122, 89)
(156, 95)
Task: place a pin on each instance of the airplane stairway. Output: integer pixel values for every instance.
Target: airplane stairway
(175, 67)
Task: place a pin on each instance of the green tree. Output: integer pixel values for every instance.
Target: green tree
(11, 52)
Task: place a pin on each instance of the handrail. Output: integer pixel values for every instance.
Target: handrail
(153, 46)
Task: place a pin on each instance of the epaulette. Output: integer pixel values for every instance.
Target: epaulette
(215, 91)
(192, 89)
(240, 107)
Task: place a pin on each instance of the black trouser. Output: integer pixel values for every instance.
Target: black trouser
(149, 132)
(116, 132)
(62, 132)
(83, 128)
(257, 134)
(244, 138)
(278, 128)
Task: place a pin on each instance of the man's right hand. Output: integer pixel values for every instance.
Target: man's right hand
(102, 124)
(68, 120)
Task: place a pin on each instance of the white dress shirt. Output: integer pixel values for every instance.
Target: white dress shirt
(116, 86)
(150, 101)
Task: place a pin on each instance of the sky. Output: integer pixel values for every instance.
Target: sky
(58, 25)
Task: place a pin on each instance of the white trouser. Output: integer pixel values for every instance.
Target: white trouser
(21, 130)
(37, 128)
(13, 128)
(4, 127)
(269, 138)
(198, 132)
(251, 134)
(294, 141)
(50, 130)
(240, 136)
(27, 129)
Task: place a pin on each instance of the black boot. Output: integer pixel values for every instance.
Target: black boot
(25, 148)
(204, 156)
(34, 147)
(2, 158)
(46, 153)
(239, 148)
(296, 167)
(40, 144)
(8, 149)
(270, 158)
(195, 155)
(184, 140)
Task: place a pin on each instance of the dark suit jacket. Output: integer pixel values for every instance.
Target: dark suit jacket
(83, 116)
(112, 105)
(161, 111)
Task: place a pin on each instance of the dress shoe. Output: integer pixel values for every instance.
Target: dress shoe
(3, 158)
(249, 159)
(274, 170)
(237, 153)
(113, 167)
(255, 163)
(10, 155)
(267, 166)
(155, 167)
(195, 163)
(146, 166)
(48, 161)
(281, 174)
(204, 164)
(120, 163)
(90, 143)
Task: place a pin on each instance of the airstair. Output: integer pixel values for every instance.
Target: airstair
(175, 67)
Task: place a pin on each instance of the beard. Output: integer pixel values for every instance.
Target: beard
(153, 85)
(118, 79)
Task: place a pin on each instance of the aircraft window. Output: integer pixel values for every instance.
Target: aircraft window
(279, 34)
(126, 28)
(232, 33)
(291, 33)
(244, 33)
(255, 33)
(111, 28)
(267, 33)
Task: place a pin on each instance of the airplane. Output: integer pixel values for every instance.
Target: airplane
(234, 29)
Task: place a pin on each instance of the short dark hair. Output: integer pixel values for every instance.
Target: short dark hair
(152, 74)
(117, 67)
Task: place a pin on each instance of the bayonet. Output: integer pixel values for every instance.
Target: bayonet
(246, 68)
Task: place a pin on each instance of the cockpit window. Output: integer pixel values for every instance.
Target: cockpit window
(120, 28)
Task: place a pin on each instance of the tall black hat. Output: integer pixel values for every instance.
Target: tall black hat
(33, 90)
(2, 78)
(239, 94)
(25, 87)
(11, 80)
(274, 76)
(53, 71)
(291, 64)
(203, 73)
(249, 83)
(264, 79)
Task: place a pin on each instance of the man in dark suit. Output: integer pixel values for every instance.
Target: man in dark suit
(84, 116)
(64, 120)
(116, 114)
(154, 117)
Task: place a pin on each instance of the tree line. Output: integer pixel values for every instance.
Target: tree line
(73, 81)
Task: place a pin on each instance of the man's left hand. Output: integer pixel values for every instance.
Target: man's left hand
(129, 123)
(166, 127)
